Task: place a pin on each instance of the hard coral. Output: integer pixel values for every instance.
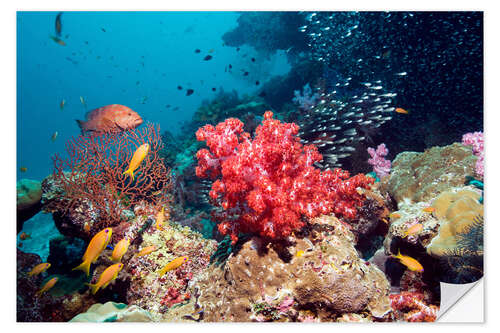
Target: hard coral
(413, 307)
(268, 183)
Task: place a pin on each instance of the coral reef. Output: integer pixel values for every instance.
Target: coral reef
(113, 312)
(157, 294)
(422, 176)
(269, 182)
(314, 276)
(28, 200)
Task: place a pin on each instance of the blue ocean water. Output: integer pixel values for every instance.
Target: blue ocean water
(136, 59)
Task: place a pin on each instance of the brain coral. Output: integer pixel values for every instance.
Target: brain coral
(423, 176)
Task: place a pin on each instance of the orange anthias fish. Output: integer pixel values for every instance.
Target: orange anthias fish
(24, 236)
(58, 40)
(137, 158)
(120, 249)
(394, 216)
(145, 251)
(429, 209)
(401, 110)
(176, 263)
(63, 102)
(23, 169)
(48, 285)
(97, 244)
(160, 218)
(409, 262)
(114, 118)
(106, 277)
(414, 229)
(40, 268)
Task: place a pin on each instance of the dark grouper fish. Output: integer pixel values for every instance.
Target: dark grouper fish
(112, 118)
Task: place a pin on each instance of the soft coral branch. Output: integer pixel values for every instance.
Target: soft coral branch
(266, 184)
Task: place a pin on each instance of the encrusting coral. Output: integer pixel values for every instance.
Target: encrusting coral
(315, 276)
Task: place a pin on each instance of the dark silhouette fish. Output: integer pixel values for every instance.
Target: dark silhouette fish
(245, 74)
(197, 51)
(213, 89)
(208, 57)
(189, 92)
(58, 24)
(179, 87)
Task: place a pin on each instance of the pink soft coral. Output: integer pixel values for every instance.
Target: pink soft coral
(476, 140)
(381, 166)
(266, 184)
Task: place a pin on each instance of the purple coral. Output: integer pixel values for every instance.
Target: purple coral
(381, 166)
(476, 140)
(307, 100)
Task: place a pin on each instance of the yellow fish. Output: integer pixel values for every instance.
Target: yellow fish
(176, 263)
(160, 218)
(120, 249)
(409, 262)
(137, 158)
(97, 244)
(23, 169)
(394, 215)
(429, 209)
(40, 268)
(414, 229)
(145, 251)
(299, 253)
(106, 277)
(48, 285)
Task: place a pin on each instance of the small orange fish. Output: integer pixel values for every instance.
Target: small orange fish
(86, 227)
(40, 268)
(409, 262)
(24, 236)
(120, 249)
(106, 277)
(401, 110)
(160, 218)
(61, 105)
(97, 244)
(145, 251)
(114, 118)
(137, 158)
(394, 216)
(58, 40)
(48, 285)
(23, 169)
(176, 263)
(429, 209)
(414, 229)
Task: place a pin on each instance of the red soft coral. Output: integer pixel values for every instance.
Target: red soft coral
(267, 184)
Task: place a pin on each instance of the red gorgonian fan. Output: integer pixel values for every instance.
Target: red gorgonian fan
(93, 173)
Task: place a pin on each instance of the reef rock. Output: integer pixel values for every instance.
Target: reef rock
(318, 277)
(113, 312)
(29, 195)
(423, 176)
